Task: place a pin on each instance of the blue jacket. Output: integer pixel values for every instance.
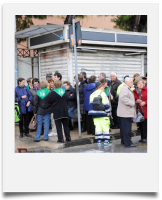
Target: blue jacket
(88, 90)
(19, 92)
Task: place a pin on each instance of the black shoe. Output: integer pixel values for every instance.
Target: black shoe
(132, 145)
(32, 130)
(46, 140)
(140, 140)
(68, 139)
(144, 141)
(36, 140)
(28, 135)
(61, 141)
(115, 127)
(21, 135)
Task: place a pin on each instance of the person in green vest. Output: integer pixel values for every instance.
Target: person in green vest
(43, 109)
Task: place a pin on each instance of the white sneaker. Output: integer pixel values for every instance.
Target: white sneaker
(52, 134)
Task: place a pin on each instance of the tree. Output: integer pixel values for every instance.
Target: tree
(69, 18)
(135, 23)
(25, 21)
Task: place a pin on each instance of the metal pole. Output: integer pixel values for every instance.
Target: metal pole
(16, 66)
(76, 74)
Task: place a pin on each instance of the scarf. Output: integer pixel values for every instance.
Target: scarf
(36, 88)
(139, 94)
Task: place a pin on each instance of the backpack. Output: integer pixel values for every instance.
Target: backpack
(17, 113)
(97, 103)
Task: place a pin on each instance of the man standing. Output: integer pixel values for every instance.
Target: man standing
(126, 111)
(85, 79)
(114, 103)
(103, 76)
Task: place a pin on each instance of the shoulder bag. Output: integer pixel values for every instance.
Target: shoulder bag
(33, 123)
(140, 117)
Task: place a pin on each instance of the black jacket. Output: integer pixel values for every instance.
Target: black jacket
(113, 89)
(59, 105)
(43, 106)
(81, 89)
(71, 102)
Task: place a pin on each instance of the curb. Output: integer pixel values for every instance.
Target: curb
(92, 140)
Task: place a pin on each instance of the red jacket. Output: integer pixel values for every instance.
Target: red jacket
(143, 98)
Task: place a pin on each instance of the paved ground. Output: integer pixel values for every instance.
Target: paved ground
(113, 148)
(51, 145)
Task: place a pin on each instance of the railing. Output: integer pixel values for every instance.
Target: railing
(24, 53)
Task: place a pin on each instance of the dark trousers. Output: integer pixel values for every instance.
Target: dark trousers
(65, 123)
(125, 130)
(26, 123)
(115, 117)
(90, 124)
(143, 129)
(70, 123)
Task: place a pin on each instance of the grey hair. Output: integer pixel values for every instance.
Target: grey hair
(43, 84)
(127, 79)
(113, 73)
(103, 74)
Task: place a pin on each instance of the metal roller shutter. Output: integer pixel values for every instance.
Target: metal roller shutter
(53, 61)
(107, 62)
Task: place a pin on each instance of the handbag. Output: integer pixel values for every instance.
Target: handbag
(71, 113)
(33, 123)
(139, 118)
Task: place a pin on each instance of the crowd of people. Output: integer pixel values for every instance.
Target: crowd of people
(104, 105)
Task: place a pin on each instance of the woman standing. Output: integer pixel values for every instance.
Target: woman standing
(100, 113)
(88, 90)
(24, 98)
(43, 109)
(140, 94)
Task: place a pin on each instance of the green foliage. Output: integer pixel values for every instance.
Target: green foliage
(126, 22)
(25, 21)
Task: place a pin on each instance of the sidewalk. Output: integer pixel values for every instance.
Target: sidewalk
(52, 144)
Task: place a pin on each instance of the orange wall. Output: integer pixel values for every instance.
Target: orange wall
(96, 21)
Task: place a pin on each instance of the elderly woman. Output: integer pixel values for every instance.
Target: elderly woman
(126, 111)
(43, 109)
(24, 98)
(140, 95)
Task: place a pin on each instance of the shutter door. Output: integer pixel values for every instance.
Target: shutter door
(107, 62)
(24, 68)
(53, 61)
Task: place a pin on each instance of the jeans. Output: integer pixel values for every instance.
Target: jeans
(39, 126)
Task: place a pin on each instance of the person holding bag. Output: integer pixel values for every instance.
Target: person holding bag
(140, 95)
